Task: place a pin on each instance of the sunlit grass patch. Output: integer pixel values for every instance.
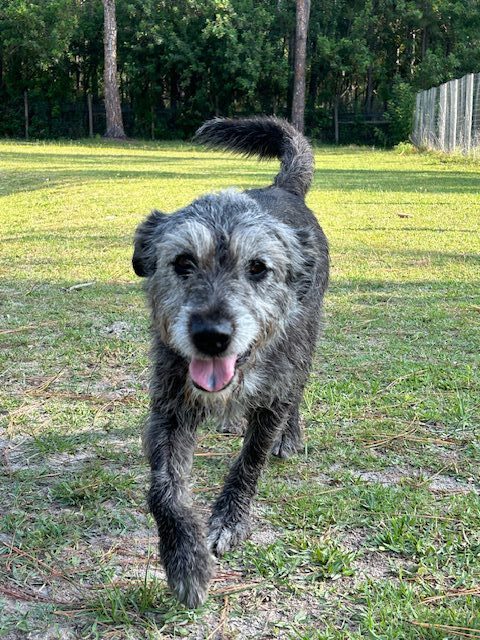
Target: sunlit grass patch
(372, 531)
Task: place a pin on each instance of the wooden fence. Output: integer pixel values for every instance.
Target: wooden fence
(447, 117)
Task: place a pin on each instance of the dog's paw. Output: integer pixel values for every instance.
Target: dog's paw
(235, 427)
(222, 536)
(189, 573)
(191, 590)
(286, 446)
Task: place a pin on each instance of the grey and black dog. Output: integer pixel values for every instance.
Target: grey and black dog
(235, 282)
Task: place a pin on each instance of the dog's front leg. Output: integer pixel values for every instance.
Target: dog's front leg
(229, 522)
(187, 560)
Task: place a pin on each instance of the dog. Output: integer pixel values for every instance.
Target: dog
(235, 283)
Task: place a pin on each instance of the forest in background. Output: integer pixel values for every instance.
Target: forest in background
(182, 62)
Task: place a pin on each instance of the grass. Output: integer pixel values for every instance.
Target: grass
(371, 532)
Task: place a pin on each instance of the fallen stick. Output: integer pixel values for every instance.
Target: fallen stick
(82, 285)
(27, 327)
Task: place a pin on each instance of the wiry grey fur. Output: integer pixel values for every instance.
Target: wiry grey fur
(272, 324)
(266, 138)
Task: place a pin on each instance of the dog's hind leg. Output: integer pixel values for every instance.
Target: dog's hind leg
(229, 522)
(290, 441)
(188, 562)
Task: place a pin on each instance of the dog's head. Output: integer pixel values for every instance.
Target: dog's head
(224, 281)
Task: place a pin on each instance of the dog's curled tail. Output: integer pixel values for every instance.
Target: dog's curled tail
(266, 137)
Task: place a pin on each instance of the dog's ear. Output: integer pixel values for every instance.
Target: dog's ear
(144, 259)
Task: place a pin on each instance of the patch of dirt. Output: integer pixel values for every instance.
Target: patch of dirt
(263, 534)
(12, 456)
(70, 461)
(16, 454)
(273, 614)
(117, 329)
(369, 564)
(55, 632)
(437, 483)
(447, 455)
(448, 484)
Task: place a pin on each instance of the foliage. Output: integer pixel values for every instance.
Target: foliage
(399, 113)
(180, 62)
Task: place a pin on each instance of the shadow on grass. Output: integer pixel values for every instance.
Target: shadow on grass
(437, 258)
(396, 181)
(84, 167)
(34, 181)
(412, 289)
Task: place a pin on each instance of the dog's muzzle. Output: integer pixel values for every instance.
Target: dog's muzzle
(211, 335)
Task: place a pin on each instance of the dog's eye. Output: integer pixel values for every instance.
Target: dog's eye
(184, 264)
(257, 270)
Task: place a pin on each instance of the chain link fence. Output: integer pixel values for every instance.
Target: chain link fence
(447, 118)
(32, 118)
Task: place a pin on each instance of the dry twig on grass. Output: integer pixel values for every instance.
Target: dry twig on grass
(219, 630)
(474, 591)
(27, 327)
(463, 632)
(18, 594)
(81, 285)
(236, 588)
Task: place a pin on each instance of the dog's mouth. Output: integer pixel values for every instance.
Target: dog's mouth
(215, 374)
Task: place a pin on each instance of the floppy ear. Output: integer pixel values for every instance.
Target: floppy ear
(144, 259)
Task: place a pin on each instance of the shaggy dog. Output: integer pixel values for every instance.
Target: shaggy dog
(235, 283)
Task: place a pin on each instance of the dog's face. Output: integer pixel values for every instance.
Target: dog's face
(224, 280)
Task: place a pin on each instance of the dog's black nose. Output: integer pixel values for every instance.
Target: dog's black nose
(211, 337)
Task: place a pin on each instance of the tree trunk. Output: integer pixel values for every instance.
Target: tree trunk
(298, 104)
(112, 95)
(424, 42)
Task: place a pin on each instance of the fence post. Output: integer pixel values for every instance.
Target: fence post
(442, 116)
(432, 109)
(423, 118)
(448, 118)
(476, 112)
(467, 135)
(416, 121)
(455, 99)
(454, 114)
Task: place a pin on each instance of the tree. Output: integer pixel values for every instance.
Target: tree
(112, 94)
(298, 104)
(184, 61)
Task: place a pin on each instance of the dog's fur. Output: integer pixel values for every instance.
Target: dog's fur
(251, 266)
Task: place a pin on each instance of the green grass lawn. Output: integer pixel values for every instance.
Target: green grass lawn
(372, 532)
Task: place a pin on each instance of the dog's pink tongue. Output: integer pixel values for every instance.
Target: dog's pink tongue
(213, 374)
